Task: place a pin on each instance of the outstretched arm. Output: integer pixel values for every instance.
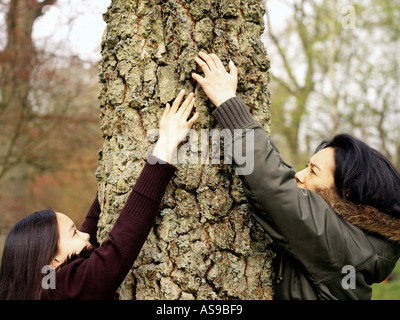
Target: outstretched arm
(173, 128)
(98, 276)
(298, 220)
(92, 218)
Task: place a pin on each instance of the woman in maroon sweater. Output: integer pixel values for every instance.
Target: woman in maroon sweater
(46, 241)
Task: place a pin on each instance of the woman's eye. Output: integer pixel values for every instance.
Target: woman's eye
(311, 170)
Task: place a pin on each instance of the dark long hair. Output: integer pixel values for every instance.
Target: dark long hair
(364, 176)
(30, 245)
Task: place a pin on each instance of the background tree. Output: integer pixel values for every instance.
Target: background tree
(49, 132)
(335, 69)
(204, 244)
(17, 65)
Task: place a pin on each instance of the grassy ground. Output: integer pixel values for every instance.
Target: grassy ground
(389, 290)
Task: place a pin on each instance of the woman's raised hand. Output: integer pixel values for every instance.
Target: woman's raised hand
(174, 126)
(218, 84)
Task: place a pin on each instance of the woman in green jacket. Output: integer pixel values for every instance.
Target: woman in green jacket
(336, 223)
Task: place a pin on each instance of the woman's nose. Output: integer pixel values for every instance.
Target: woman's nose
(85, 236)
(299, 176)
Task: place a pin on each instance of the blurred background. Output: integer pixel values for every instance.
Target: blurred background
(49, 118)
(334, 68)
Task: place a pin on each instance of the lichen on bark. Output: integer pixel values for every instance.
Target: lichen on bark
(204, 244)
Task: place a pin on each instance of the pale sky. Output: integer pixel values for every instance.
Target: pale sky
(73, 28)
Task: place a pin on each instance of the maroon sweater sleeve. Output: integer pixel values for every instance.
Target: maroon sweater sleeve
(92, 218)
(99, 276)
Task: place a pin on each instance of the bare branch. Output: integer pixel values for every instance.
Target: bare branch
(282, 54)
(40, 5)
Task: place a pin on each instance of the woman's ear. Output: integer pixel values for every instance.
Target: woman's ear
(56, 262)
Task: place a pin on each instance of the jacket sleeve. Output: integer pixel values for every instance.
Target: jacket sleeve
(99, 276)
(298, 220)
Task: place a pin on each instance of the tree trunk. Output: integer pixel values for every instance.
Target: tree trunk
(204, 244)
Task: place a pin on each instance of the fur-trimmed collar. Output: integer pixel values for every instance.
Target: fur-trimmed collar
(365, 217)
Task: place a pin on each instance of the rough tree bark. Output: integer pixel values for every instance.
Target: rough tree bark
(204, 244)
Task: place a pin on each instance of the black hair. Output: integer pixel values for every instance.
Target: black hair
(363, 175)
(30, 245)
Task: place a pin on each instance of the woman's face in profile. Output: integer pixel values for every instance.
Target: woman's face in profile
(319, 173)
(71, 240)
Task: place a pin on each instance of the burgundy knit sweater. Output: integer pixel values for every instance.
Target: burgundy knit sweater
(99, 276)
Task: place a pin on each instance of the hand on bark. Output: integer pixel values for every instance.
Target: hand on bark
(174, 126)
(217, 83)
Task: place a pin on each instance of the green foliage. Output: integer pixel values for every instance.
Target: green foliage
(389, 290)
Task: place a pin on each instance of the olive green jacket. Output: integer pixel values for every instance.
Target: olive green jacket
(329, 248)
